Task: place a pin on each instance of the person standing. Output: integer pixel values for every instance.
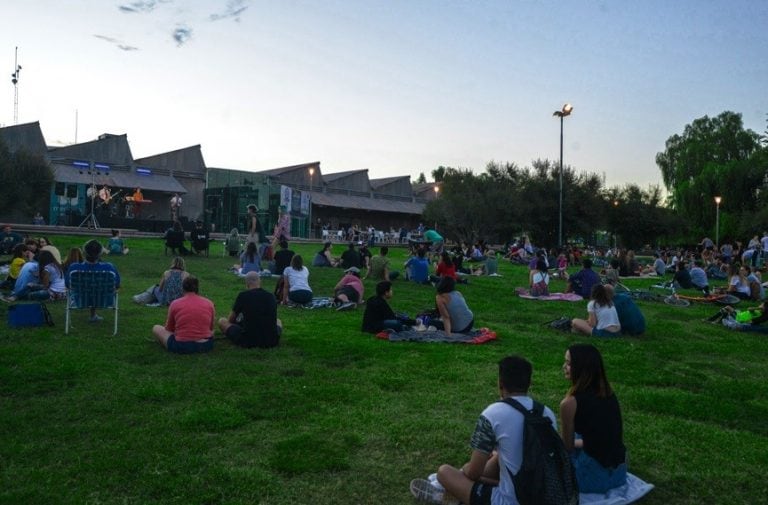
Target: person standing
(255, 230)
(176, 202)
(497, 447)
(253, 321)
(189, 326)
(138, 199)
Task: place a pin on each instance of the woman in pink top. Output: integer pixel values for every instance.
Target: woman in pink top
(189, 327)
(349, 290)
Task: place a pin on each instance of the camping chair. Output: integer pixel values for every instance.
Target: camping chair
(91, 289)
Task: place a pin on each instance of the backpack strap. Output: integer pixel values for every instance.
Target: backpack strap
(537, 410)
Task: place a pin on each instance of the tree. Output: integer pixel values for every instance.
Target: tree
(701, 164)
(422, 179)
(439, 173)
(25, 183)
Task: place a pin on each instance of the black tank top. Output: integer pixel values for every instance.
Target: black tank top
(598, 421)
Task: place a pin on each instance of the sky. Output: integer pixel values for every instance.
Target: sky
(397, 87)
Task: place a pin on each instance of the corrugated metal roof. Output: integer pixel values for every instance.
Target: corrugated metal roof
(365, 203)
(71, 174)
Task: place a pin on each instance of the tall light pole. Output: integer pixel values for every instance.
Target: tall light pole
(437, 191)
(565, 111)
(718, 199)
(311, 176)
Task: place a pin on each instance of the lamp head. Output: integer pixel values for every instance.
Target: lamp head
(565, 111)
(718, 199)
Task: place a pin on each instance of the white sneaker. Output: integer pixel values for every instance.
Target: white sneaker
(426, 492)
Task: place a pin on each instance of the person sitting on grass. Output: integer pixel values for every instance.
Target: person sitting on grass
(350, 257)
(379, 315)
(170, 286)
(591, 423)
(189, 326)
(612, 273)
(296, 282)
(738, 285)
(93, 251)
(417, 267)
(249, 260)
(20, 255)
(455, 315)
(253, 321)
(9, 239)
(538, 279)
(379, 268)
(323, 258)
(682, 278)
(349, 290)
(497, 447)
(281, 261)
(631, 319)
(603, 320)
(699, 277)
(582, 281)
(115, 244)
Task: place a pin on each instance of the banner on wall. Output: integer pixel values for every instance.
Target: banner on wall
(286, 197)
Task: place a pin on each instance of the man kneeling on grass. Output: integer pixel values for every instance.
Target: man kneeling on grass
(253, 321)
(189, 327)
(497, 448)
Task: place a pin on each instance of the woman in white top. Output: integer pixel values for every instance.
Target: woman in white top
(603, 319)
(538, 278)
(738, 284)
(296, 282)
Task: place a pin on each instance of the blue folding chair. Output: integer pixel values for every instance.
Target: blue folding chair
(91, 289)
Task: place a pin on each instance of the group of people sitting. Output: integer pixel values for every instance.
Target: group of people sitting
(591, 430)
(175, 239)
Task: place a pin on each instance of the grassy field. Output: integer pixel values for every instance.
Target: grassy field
(336, 416)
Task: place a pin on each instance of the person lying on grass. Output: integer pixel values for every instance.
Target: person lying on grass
(189, 326)
(497, 448)
(349, 290)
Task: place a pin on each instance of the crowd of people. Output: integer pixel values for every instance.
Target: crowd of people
(589, 414)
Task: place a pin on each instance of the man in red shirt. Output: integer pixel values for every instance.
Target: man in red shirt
(189, 327)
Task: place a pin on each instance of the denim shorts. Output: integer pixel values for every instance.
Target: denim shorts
(593, 477)
(605, 333)
(187, 347)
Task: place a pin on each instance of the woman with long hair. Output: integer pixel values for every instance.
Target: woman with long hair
(738, 284)
(249, 260)
(296, 282)
(538, 279)
(603, 320)
(323, 258)
(170, 287)
(51, 275)
(590, 422)
(75, 256)
(455, 315)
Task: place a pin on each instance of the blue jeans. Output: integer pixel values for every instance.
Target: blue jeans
(593, 477)
(392, 324)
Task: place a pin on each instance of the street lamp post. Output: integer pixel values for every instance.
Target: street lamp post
(311, 176)
(718, 199)
(615, 218)
(437, 190)
(565, 111)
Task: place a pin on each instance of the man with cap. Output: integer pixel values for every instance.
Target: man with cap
(253, 321)
(349, 290)
(93, 262)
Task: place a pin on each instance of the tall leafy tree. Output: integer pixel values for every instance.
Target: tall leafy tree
(698, 165)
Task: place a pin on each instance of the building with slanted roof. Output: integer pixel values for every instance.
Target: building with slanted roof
(336, 200)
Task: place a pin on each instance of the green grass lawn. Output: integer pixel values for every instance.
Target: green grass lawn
(334, 415)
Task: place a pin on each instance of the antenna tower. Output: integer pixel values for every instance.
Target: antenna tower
(15, 81)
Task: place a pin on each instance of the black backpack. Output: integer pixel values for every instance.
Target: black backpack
(546, 476)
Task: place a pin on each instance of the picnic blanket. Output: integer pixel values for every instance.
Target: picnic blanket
(480, 336)
(633, 490)
(562, 297)
(318, 302)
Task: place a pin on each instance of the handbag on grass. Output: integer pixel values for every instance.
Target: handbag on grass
(23, 315)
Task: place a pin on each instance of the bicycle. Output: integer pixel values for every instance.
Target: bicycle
(645, 295)
(719, 298)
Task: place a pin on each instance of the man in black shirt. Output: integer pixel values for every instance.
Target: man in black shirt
(199, 238)
(379, 315)
(253, 321)
(351, 258)
(283, 259)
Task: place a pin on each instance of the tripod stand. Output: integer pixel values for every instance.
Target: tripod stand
(91, 217)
